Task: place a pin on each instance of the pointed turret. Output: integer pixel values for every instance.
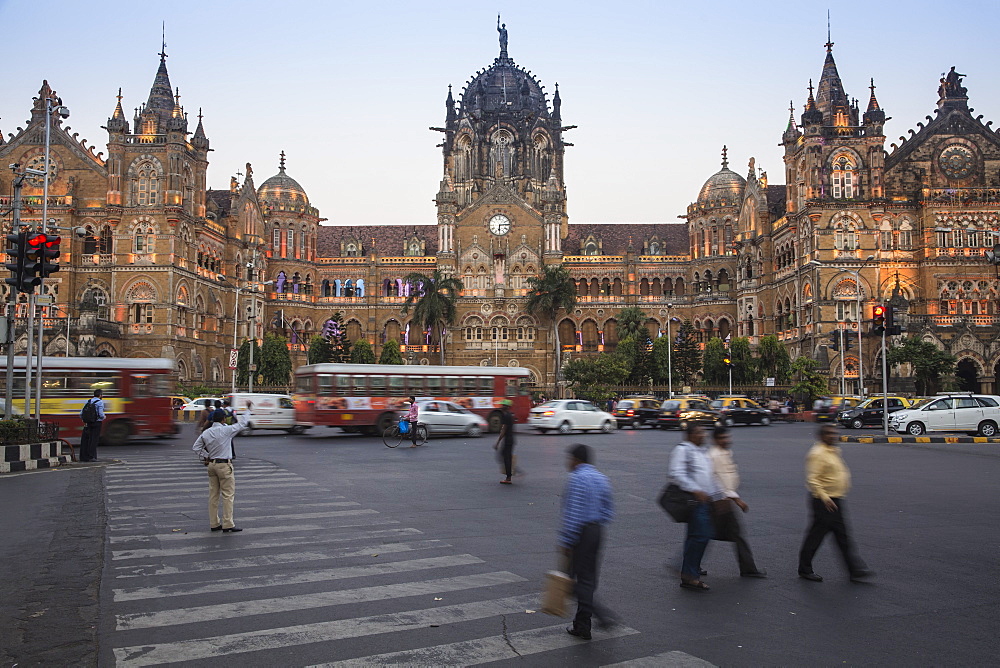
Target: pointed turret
(200, 140)
(117, 122)
(178, 121)
(449, 105)
(557, 105)
(874, 115)
(791, 133)
(160, 104)
(812, 115)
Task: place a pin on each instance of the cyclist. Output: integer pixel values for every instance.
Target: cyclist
(412, 417)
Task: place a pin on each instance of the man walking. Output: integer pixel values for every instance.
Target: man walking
(92, 415)
(691, 470)
(214, 446)
(828, 480)
(505, 441)
(587, 505)
(727, 523)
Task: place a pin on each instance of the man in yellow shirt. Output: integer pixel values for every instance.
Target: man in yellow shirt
(828, 479)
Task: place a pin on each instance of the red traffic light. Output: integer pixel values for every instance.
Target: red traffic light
(878, 311)
(52, 241)
(36, 241)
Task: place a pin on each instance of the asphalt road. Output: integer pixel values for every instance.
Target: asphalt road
(359, 554)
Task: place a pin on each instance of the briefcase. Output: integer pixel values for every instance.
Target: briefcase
(676, 502)
(558, 587)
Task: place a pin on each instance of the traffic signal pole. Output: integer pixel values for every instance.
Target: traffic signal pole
(885, 388)
(8, 410)
(843, 353)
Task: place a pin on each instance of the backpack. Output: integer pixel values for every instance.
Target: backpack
(89, 413)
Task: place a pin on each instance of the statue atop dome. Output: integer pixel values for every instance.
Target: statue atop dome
(502, 29)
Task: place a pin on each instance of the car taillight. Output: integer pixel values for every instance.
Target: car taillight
(548, 413)
(630, 412)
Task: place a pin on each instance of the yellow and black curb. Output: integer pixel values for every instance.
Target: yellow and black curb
(918, 439)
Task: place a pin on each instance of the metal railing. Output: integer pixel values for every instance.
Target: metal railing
(20, 431)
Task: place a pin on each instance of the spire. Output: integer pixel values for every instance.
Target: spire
(161, 99)
(811, 115)
(557, 105)
(830, 95)
(792, 129)
(119, 113)
(725, 157)
(117, 122)
(281, 162)
(199, 140)
(874, 115)
(449, 105)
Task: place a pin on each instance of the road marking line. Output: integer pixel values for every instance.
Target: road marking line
(242, 542)
(152, 570)
(304, 634)
(268, 606)
(322, 575)
(117, 520)
(138, 484)
(257, 530)
(194, 488)
(481, 650)
(675, 659)
(201, 503)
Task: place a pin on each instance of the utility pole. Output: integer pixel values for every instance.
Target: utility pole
(8, 410)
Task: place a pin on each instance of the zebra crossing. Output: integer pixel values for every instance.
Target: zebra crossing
(315, 580)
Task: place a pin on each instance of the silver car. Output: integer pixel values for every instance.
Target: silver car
(445, 417)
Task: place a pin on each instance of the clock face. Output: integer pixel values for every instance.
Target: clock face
(957, 162)
(499, 224)
(38, 162)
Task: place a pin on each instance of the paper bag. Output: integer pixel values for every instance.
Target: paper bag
(558, 587)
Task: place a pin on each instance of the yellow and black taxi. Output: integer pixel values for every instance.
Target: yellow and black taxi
(870, 411)
(637, 411)
(826, 409)
(679, 412)
(740, 410)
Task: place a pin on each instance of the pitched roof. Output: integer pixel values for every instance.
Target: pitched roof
(614, 237)
(388, 239)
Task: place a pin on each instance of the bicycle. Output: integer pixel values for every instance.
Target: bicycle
(392, 437)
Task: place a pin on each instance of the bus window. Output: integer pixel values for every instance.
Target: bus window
(359, 386)
(84, 383)
(511, 389)
(451, 386)
(343, 386)
(434, 386)
(163, 384)
(376, 386)
(486, 386)
(141, 386)
(415, 385)
(325, 385)
(396, 387)
(469, 386)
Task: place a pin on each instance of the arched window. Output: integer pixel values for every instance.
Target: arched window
(474, 329)
(843, 177)
(90, 241)
(845, 234)
(105, 245)
(591, 248)
(905, 234)
(289, 248)
(502, 155)
(146, 185)
(302, 244)
(143, 240)
(276, 241)
(351, 250)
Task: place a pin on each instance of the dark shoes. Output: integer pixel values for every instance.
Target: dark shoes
(218, 528)
(812, 577)
(754, 574)
(696, 585)
(578, 633)
(232, 530)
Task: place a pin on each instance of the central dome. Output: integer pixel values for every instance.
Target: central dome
(724, 188)
(504, 86)
(282, 188)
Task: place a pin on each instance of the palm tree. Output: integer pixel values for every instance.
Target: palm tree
(553, 291)
(433, 300)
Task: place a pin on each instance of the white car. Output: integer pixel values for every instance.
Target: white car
(445, 417)
(269, 411)
(200, 404)
(972, 413)
(565, 415)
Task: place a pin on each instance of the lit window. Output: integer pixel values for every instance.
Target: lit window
(843, 178)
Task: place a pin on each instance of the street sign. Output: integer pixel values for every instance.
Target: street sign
(253, 367)
(234, 356)
(769, 382)
(44, 300)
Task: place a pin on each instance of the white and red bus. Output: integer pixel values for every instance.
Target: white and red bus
(136, 394)
(367, 398)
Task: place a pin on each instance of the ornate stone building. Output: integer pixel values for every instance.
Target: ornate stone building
(165, 259)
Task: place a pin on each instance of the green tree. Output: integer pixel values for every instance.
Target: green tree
(745, 369)
(320, 350)
(275, 362)
(596, 378)
(362, 353)
(433, 300)
(659, 360)
(243, 363)
(335, 332)
(809, 383)
(687, 357)
(773, 360)
(390, 353)
(636, 359)
(713, 366)
(929, 363)
(631, 321)
(548, 294)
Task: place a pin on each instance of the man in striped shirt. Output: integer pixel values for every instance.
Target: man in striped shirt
(587, 504)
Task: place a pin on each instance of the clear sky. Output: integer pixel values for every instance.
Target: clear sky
(348, 89)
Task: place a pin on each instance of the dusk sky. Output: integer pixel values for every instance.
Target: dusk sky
(348, 90)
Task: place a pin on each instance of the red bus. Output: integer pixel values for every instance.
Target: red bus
(367, 398)
(136, 394)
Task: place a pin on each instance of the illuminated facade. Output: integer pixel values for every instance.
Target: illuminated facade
(750, 259)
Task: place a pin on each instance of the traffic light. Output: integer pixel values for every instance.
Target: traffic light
(727, 361)
(14, 262)
(50, 252)
(847, 342)
(835, 341)
(890, 321)
(34, 255)
(878, 319)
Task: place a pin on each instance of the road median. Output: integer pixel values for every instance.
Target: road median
(917, 439)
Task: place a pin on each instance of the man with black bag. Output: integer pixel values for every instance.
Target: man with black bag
(92, 415)
(727, 525)
(691, 470)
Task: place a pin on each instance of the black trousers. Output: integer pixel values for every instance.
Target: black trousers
(507, 456)
(730, 528)
(823, 522)
(88, 441)
(583, 567)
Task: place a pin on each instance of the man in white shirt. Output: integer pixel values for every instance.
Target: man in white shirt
(215, 447)
(691, 470)
(727, 525)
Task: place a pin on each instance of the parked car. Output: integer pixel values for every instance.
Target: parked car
(740, 410)
(971, 413)
(267, 411)
(679, 413)
(200, 404)
(637, 411)
(565, 415)
(445, 417)
(869, 411)
(827, 408)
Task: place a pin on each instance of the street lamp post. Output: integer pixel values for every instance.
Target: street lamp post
(670, 359)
